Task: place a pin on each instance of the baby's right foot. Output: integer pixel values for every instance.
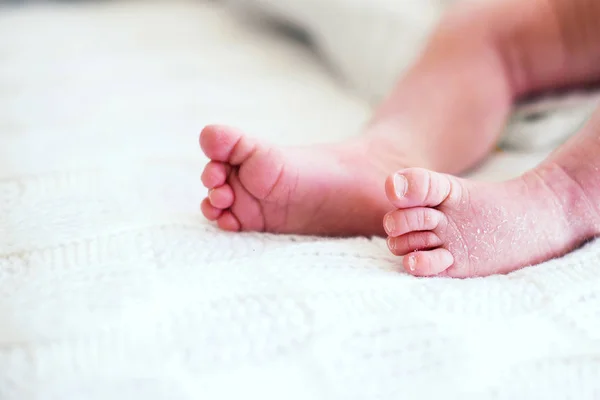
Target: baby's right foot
(320, 190)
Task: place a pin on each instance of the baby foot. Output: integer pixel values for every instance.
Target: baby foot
(336, 189)
(321, 190)
(454, 227)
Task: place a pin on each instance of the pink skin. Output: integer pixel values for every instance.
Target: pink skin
(448, 226)
(439, 117)
(454, 227)
(255, 187)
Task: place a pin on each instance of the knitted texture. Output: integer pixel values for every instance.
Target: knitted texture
(112, 286)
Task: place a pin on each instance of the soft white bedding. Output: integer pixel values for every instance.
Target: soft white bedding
(113, 286)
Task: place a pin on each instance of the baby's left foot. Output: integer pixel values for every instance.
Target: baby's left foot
(454, 227)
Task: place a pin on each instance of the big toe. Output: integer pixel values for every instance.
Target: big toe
(226, 144)
(418, 187)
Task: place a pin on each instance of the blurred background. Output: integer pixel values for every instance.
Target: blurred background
(130, 79)
(124, 80)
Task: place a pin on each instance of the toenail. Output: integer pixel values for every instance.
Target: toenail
(400, 185)
(390, 224)
(391, 243)
(412, 262)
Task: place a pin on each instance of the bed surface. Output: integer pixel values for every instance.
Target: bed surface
(113, 286)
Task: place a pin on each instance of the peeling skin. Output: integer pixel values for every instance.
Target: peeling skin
(543, 214)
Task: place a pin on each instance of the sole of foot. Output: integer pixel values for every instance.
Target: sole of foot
(333, 190)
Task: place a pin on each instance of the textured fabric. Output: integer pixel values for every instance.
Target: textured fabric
(113, 287)
(371, 42)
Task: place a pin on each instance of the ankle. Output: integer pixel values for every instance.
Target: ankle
(571, 198)
(389, 149)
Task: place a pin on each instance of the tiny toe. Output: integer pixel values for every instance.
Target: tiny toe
(414, 241)
(228, 222)
(414, 187)
(210, 213)
(215, 174)
(428, 263)
(226, 144)
(400, 222)
(221, 197)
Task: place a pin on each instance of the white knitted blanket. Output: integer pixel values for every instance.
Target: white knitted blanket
(113, 287)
